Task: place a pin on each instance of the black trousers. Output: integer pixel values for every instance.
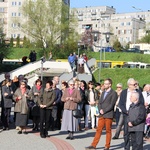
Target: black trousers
(6, 116)
(137, 140)
(126, 134)
(44, 120)
(54, 117)
(119, 126)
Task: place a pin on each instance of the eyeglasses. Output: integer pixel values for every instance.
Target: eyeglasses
(22, 84)
(71, 84)
(134, 84)
(119, 87)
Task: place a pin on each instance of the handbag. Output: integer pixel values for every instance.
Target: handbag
(30, 103)
(77, 113)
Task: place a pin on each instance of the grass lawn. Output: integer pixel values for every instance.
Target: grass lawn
(123, 74)
(116, 74)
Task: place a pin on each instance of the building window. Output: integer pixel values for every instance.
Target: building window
(14, 3)
(19, 14)
(128, 23)
(122, 24)
(1, 9)
(13, 35)
(13, 14)
(13, 25)
(19, 3)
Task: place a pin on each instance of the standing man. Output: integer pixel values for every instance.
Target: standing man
(124, 105)
(106, 109)
(136, 121)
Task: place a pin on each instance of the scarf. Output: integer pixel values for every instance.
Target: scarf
(23, 90)
(71, 91)
(38, 87)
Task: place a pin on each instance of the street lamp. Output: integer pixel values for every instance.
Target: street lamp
(107, 37)
(96, 38)
(77, 67)
(134, 33)
(42, 61)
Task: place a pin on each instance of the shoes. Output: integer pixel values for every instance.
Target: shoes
(90, 147)
(106, 148)
(68, 137)
(114, 138)
(33, 129)
(71, 138)
(19, 132)
(46, 135)
(86, 128)
(25, 132)
(43, 136)
(4, 129)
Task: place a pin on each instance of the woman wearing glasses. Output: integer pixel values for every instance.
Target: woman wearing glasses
(71, 96)
(21, 108)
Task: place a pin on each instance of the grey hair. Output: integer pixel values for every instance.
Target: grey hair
(136, 94)
(119, 84)
(129, 80)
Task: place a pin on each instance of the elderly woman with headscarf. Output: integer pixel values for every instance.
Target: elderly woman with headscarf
(71, 97)
(21, 108)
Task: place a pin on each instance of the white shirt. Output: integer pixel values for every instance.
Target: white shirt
(146, 98)
(128, 102)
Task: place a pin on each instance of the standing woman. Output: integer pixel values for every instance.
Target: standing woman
(21, 108)
(35, 112)
(7, 94)
(45, 101)
(70, 97)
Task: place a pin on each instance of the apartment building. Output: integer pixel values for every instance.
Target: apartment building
(126, 27)
(9, 11)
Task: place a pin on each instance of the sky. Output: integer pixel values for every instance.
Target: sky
(121, 6)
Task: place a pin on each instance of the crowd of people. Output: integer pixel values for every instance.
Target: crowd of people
(77, 62)
(51, 107)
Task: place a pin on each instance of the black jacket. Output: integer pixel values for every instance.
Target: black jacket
(137, 116)
(123, 100)
(7, 100)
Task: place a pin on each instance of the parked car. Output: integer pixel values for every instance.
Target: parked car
(108, 49)
(133, 50)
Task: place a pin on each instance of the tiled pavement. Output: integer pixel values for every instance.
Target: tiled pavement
(10, 140)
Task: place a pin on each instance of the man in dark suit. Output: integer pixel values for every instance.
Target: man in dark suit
(106, 109)
(124, 105)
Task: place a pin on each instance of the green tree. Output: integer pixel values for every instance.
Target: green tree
(4, 50)
(47, 22)
(26, 42)
(117, 46)
(11, 42)
(146, 38)
(18, 42)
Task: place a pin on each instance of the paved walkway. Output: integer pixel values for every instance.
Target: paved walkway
(10, 140)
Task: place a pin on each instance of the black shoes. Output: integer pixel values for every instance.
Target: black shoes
(68, 137)
(4, 129)
(25, 132)
(90, 147)
(19, 132)
(114, 138)
(43, 136)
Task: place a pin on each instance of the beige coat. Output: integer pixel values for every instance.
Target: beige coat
(71, 104)
(21, 105)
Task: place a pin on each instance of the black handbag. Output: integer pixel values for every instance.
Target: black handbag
(77, 113)
(30, 103)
